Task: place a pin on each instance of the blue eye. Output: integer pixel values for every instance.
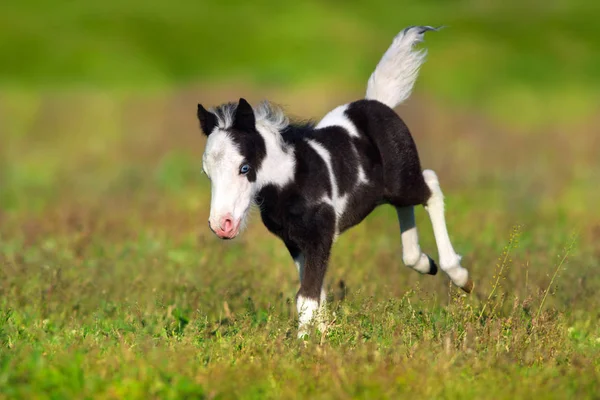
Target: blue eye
(244, 169)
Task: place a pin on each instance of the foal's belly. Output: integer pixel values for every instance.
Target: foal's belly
(360, 204)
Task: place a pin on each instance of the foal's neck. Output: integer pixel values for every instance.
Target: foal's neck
(279, 164)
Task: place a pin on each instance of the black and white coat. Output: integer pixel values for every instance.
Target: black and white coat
(313, 182)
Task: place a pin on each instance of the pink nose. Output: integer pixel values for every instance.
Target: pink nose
(227, 227)
(226, 224)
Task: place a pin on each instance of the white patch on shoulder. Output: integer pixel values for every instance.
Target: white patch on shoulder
(279, 166)
(337, 117)
(338, 202)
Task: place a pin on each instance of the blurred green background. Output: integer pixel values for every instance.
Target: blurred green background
(112, 286)
(529, 61)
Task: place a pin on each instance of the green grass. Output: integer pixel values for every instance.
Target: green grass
(532, 63)
(112, 286)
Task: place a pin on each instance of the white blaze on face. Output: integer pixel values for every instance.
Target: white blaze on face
(231, 192)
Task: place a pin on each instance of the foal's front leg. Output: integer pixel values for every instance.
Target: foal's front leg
(311, 249)
(310, 300)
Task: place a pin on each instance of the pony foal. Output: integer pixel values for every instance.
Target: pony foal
(313, 182)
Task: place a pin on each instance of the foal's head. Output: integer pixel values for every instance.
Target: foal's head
(232, 160)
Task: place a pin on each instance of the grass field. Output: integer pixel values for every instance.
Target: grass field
(112, 286)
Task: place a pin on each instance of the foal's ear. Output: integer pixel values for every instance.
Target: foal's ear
(244, 117)
(208, 120)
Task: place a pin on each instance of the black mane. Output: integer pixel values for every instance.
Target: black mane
(296, 131)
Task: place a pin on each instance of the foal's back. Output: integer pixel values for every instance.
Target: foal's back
(373, 160)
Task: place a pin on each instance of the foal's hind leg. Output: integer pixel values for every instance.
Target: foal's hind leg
(412, 255)
(449, 260)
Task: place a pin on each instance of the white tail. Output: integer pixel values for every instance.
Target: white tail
(394, 77)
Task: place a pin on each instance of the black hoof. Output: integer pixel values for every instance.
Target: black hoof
(433, 268)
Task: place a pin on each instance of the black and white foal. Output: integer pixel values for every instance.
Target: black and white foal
(313, 182)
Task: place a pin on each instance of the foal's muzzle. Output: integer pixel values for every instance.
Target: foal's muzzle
(227, 228)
